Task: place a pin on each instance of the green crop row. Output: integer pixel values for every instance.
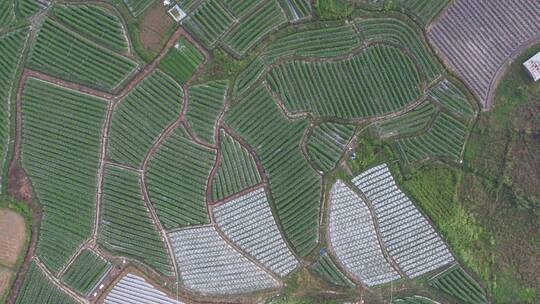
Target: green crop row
(209, 21)
(177, 177)
(425, 10)
(414, 121)
(445, 138)
(414, 300)
(254, 26)
(297, 9)
(206, 102)
(126, 226)
(11, 47)
(398, 32)
(385, 79)
(60, 152)
(327, 142)
(237, 169)
(37, 288)
(136, 7)
(86, 272)
(181, 61)
(94, 21)
(451, 97)
(321, 42)
(7, 12)
(326, 268)
(456, 282)
(240, 7)
(249, 76)
(295, 186)
(141, 116)
(27, 8)
(63, 53)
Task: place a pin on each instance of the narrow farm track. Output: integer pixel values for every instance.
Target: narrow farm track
(15, 165)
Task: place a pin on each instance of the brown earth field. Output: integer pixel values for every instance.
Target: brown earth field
(153, 26)
(12, 237)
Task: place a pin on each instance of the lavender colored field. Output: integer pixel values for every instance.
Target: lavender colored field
(478, 39)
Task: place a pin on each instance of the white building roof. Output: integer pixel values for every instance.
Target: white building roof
(177, 13)
(533, 66)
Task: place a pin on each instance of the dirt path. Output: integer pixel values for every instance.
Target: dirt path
(59, 284)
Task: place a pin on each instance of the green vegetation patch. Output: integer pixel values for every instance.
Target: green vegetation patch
(326, 144)
(385, 80)
(181, 61)
(414, 300)
(27, 8)
(60, 153)
(209, 21)
(94, 21)
(445, 139)
(456, 282)
(424, 10)
(7, 12)
(295, 186)
(141, 116)
(136, 7)
(328, 270)
(297, 9)
(86, 271)
(177, 177)
(66, 54)
(414, 121)
(237, 169)
(452, 98)
(126, 226)
(37, 288)
(206, 102)
(11, 48)
(239, 8)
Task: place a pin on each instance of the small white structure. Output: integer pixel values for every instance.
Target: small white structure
(177, 13)
(533, 66)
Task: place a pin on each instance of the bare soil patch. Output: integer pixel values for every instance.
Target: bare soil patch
(12, 238)
(154, 26)
(19, 185)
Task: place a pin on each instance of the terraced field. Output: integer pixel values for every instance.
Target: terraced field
(177, 175)
(456, 282)
(65, 54)
(326, 268)
(86, 272)
(37, 288)
(327, 89)
(95, 22)
(181, 61)
(326, 144)
(60, 152)
(209, 21)
(415, 121)
(126, 225)
(477, 39)
(132, 287)
(295, 186)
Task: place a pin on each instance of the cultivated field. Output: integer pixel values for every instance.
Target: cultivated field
(479, 38)
(135, 288)
(12, 238)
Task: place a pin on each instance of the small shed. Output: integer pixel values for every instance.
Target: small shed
(533, 66)
(177, 13)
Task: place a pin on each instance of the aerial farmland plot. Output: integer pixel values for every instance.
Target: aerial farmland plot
(279, 151)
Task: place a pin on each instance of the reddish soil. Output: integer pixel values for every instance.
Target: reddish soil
(19, 185)
(13, 236)
(153, 27)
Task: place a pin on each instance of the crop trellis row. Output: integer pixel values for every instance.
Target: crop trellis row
(452, 98)
(352, 235)
(445, 139)
(65, 54)
(327, 269)
(327, 142)
(210, 265)
(385, 81)
(295, 186)
(86, 271)
(141, 116)
(181, 61)
(11, 46)
(400, 33)
(126, 225)
(27, 8)
(206, 102)
(95, 21)
(237, 169)
(132, 287)
(407, 235)
(136, 7)
(297, 9)
(7, 12)
(177, 176)
(60, 152)
(238, 8)
(415, 121)
(37, 288)
(209, 21)
(249, 223)
(456, 282)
